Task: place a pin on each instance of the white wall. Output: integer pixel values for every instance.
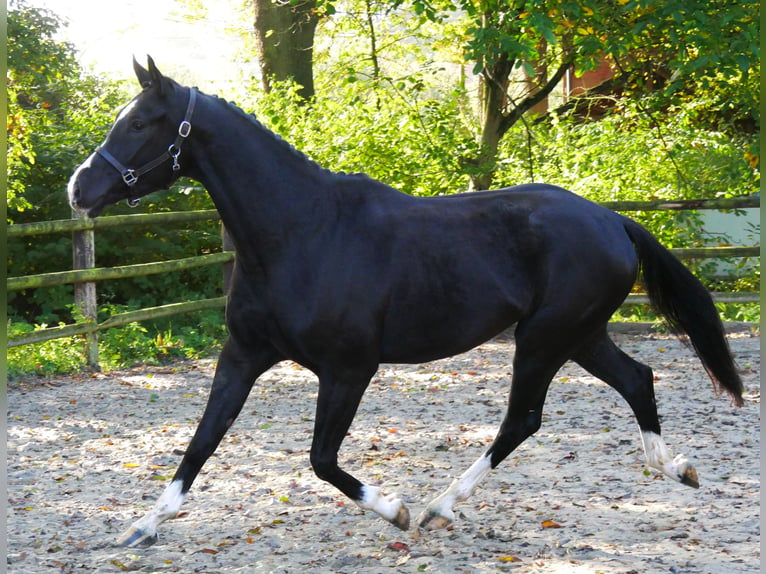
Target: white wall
(740, 230)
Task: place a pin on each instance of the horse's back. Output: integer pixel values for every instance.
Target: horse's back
(462, 268)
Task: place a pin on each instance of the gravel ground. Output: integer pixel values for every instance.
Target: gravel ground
(88, 455)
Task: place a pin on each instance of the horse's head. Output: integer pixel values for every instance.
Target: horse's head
(141, 152)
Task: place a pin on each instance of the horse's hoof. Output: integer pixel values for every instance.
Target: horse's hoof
(402, 519)
(431, 520)
(690, 478)
(135, 538)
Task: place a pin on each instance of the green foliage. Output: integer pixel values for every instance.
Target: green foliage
(57, 115)
(747, 283)
(159, 341)
(381, 128)
(46, 358)
(416, 144)
(520, 49)
(624, 157)
(691, 38)
(404, 110)
(151, 343)
(121, 246)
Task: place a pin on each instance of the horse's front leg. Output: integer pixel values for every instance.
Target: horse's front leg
(234, 377)
(336, 406)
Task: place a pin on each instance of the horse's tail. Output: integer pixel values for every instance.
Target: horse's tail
(687, 307)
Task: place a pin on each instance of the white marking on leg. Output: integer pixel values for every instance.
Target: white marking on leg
(659, 457)
(439, 513)
(389, 507)
(167, 506)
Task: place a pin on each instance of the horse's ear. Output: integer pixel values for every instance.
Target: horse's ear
(150, 77)
(154, 73)
(143, 75)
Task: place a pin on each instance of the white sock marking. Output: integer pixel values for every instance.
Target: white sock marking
(167, 506)
(460, 489)
(386, 506)
(659, 457)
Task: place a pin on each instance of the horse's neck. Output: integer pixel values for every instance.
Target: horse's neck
(266, 192)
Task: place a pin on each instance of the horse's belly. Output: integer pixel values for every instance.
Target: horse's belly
(416, 341)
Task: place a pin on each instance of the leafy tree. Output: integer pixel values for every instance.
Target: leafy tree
(522, 48)
(57, 115)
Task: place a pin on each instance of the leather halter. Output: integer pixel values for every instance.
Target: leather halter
(130, 176)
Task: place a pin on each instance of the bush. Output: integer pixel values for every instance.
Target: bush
(149, 343)
(621, 157)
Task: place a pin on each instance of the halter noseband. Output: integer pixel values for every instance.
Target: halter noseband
(130, 176)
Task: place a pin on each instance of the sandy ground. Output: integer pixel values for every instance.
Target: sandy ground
(88, 455)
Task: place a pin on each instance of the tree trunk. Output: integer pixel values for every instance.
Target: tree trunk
(497, 116)
(493, 99)
(284, 33)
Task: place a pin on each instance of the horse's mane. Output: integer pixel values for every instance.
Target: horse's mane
(281, 142)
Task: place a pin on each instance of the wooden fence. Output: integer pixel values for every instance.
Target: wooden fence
(85, 274)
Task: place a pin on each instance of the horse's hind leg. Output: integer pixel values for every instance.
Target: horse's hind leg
(538, 357)
(234, 377)
(635, 382)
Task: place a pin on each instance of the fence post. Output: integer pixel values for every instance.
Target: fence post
(84, 257)
(228, 267)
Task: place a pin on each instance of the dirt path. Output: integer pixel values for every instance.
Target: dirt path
(88, 455)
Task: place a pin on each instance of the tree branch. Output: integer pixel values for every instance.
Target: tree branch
(530, 101)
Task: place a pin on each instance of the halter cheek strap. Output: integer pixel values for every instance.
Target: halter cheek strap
(130, 176)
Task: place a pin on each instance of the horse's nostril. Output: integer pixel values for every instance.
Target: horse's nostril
(74, 194)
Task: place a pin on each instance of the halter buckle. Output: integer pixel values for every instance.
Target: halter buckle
(129, 177)
(184, 129)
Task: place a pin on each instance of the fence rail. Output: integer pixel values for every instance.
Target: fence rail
(87, 275)
(121, 272)
(66, 225)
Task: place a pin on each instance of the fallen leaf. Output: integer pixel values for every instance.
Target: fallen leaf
(509, 559)
(551, 524)
(209, 551)
(398, 546)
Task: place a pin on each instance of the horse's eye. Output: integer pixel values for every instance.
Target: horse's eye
(137, 125)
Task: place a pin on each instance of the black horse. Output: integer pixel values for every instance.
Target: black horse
(340, 273)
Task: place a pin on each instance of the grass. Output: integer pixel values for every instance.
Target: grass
(131, 345)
